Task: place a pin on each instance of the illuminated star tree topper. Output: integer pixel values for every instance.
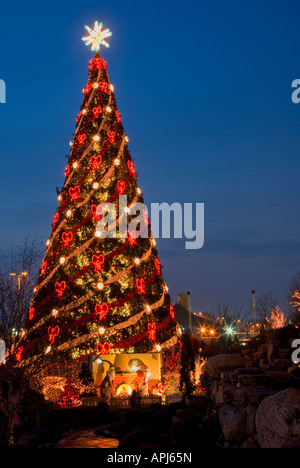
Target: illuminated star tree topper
(97, 36)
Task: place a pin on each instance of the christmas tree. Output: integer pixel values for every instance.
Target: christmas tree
(70, 396)
(99, 292)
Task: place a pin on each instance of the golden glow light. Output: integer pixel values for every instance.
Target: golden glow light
(124, 388)
(96, 36)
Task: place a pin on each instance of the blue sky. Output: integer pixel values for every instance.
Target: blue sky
(204, 90)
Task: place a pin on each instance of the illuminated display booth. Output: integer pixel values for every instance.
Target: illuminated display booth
(140, 372)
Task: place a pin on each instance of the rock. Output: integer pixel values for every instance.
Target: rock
(197, 401)
(279, 379)
(252, 380)
(223, 363)
(273, 349)
(233, 423)
(132, 440)
(255, 397)
(248, 444)
(241, 395)
(293, 445)
(274, 418)
(282, 364)
(30, 439)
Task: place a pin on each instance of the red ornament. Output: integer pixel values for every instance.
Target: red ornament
(44, 268)
(103, 348)
(111, 135)
(95, 210)
(19, 353)
(67, 237)
(82, 139)
(172, 311)
(157, 266)
(74, 192)
(103, 86)
(78, 116)
(53, 333)
(91, 64)
(98, 262)
(151, 331)
(121, 186)
(101, 310)
(31, 313)
(131, 167)
(140, 283)
(67, 171)
(87, 88)
(97, 62)
(132, 238)
(60, 288)
(96, 162)
(118, 116)
(55, 219)
(96, 111)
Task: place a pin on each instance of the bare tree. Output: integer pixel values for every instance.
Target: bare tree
(264, 304)
(17, 280)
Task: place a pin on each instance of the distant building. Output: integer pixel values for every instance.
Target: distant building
(198, 323)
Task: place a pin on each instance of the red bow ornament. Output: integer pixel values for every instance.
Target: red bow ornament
(74, 192)
(82, 139)
(67, 237)
(111, 137)
(96, 112)
(140, 283)
(121, 186)
(98, 261)
(101, 310)
(103, 348)
(96, 162)
(60, 288)
(53, 333)
(151, 331)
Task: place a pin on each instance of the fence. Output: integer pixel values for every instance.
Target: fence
(127, 402)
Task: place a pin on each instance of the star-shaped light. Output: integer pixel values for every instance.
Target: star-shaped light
(97, 36)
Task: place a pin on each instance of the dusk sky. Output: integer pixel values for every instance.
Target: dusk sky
(204, 90)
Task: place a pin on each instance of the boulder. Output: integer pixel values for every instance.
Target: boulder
(277, 379)
(273, 350)
(252, 380)
(282, 365)
(274, 418)
(233, 423)
(223, 363)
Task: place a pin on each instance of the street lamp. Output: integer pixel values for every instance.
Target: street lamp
(22, 274)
